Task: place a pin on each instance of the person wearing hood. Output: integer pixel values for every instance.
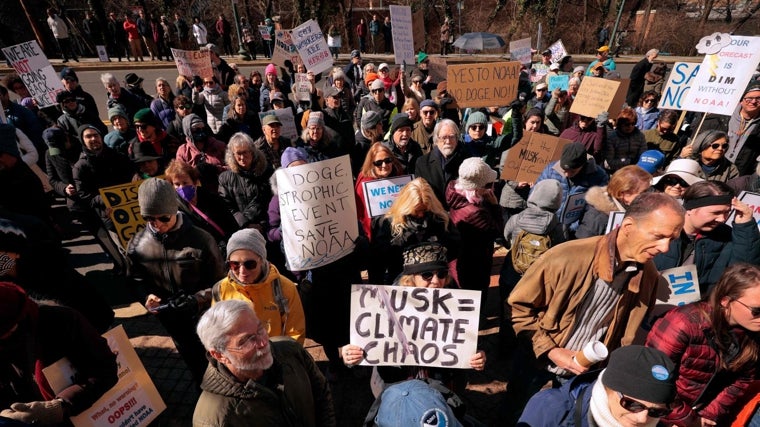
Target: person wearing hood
(404, 148)
(709, 149)
(590, 132)
(70, 82)
(370, 132)
(478, 143)
(75, 115)
(60, 158)
(624, 186)
(149, 131)
(202, 150)
(209, 94)
(123, 132)
(174, 263)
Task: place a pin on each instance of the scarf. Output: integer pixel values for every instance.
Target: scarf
(599, 406)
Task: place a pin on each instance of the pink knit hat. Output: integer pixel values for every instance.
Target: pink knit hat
(271, 69)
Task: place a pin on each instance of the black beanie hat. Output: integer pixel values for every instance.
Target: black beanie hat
(399, 121)
(643, 373)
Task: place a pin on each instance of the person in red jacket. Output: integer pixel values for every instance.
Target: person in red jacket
(133, 35)
(715, 347)
(361, 33)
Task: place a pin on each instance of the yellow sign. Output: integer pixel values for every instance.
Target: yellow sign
(121, 200)
(485, 84)
(529, 157)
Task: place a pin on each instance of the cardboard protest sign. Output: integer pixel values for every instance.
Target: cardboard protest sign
(614, 221)
(558, 50)
(418, 23)
(318, 212)
(288, 121)
(125, 211)
(302, 87)
(596, 95)
(34, 69)
(437, 67)
(133, 401)
(520, 50)
(193, 63)
(483, 84)
(753, 201)
(379, 194)
(677, 86)
(102, 53)
(558, 82)
(284, 50)
(678, 286)
(312, 47)
(576, 204)
(397, 325)
(527, 159)
(724, 74)
(403, 39)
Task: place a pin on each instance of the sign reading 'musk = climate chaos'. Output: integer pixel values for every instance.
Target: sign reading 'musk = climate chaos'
(35, 71)
(483, 84)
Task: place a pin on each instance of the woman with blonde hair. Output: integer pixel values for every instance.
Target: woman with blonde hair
(378, 164)
(416, 216)
(412, 108)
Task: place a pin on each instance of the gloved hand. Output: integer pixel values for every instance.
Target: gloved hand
(516, 107)
(602, 118)
(40, 412)
(197, 82)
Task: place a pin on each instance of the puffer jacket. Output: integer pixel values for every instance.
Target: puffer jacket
(214, 100)
(70, 122)
(715, 251)
(297, 394)
(247, 193)
(60, 171)
(184, 259)
(164, 110)
(599, 204)
(685, 334)
(538, 217)
(94, 171)
(592, 137)
(623, 150)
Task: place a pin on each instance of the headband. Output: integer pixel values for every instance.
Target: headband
(723, 199)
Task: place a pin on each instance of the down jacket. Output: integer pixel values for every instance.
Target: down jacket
(246, 193)
(214, 100)
(685, 335)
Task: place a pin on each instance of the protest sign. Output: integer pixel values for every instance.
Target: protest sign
(102, 53)
(133, 401)
(558, 82)
(418, 23)
(558, 50)
(576, 204)
(437, 66)
(594, 96)
(125, 211)
(753, 201)
(193, 63)
(527, 159)
(264, 31)
(288, 121)
(403, 39)
(302, 87)
(677, 286)
(720, 81)
(379, 194)
(312, 47)
(677, 85)
(614, 221)
(520, 50)
(318, 212)
(34, 69)
(483, 84)
(397, 325)
(284, 50)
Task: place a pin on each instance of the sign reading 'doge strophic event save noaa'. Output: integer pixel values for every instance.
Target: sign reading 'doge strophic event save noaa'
(399, 325)
(193, 62)
(318, 212)
(312, 46)
(677, 86)
(403, 39)
(379, 194)
(34, 69)
(483, 84)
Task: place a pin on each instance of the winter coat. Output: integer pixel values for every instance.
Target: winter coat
(746, 158)
(668, 144)
(214, 101)
(120, 141)
(487, 148)
(538, 218)
(745, 183)
(94, 171)
(385, 109)
(273, 157)
(407, 159)
(556, 121)
(246, 193)
(290, 324)
(60, 171)
(686, 335)
(557, 407)
(264, 102)
(646, 119)
(715, 251)
(213, 207)
(129, 101)
(164, 110)
(592, 137)
(84, 98)
(212, 154)
(599, 204)
(296, 394)
(623, 150)
(438, 172)
(636, 86)
(724, 171)
(70, 122)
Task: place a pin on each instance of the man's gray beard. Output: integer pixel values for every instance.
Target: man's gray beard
(447, 151)
(261, 361)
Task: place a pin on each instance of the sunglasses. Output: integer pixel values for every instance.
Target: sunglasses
(648, 101)
(670, 181)
(634, 406)
(377, 90)
(754, 311)
(428, 112)
(141, 126)
(164, 219)
(386, 161)
(208, 83)
(428, 275)
(249, 264)
(477, 127)
(185, 107)
(717, 146)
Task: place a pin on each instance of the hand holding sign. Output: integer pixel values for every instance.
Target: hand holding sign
(742, 211)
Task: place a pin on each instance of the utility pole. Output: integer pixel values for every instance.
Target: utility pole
(617, 22)
(241, 50)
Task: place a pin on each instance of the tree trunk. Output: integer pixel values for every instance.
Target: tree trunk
(746, 18)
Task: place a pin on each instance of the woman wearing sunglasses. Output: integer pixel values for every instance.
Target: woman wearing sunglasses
(714, 344)
(625, 143)
(647, 110)
(709, 149)
(678, 177)
(380, 163)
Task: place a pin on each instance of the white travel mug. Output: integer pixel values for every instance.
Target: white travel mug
(592, 353)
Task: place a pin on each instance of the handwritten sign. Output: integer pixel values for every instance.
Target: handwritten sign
(34, 69)
(678, 85)
(677, 286)
(102, 53)
(483, 84)
(558, 50)
(558, 82)
(133, 401)
(288, 121)
(284, 50)
(594, 96)
(719, 84)
(403, 35)
(398, 325)
(125, 210)
(302, 87)
(520, 50)
(318, 211)
(614, 221)
(312, 46)
(264, 32)
(379, 194)
(527, 159)
(437, 66)
(193, 63)
(576, 204)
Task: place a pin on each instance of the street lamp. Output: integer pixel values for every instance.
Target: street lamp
(241, 50)
(460, 7)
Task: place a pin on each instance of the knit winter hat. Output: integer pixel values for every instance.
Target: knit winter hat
(316, 118)
(13, 306)
(147, 117)
(370, 119)
(157, 197)
(8, 140)
(474, 173)
(292, 154)
(400, 120)
(573, 156)
(643, 373)
(247, 238)
(476, 118)
(117, 110)
(270, 69)
(189, 121)
(369, 78)
(423, 257)
(428, 103)
(55, 138)
(377, 84)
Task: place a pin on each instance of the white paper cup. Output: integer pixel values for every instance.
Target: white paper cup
(592, 353)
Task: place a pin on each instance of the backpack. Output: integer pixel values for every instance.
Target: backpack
(527, 248)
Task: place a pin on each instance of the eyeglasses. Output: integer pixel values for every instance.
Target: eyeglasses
(634, 406)
(141, 126)
(428, 275)
(386, 161)
(185, 107)
(447, 137)
(670, 181)
(754, 99)
(165, 219)
(248, 264)
(207, 82)
(416, 81)
(477, 127)
(754, 311)
(721, 146)
(257, 338)
(377, 90)
(428, 112)
(649, 101)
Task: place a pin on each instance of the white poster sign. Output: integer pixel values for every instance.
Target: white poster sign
(574, 207)
(520, 50)
(677, 286)
(614, 221)
(379, 194)
(284, 50)
(288, 121)
(558, 50)
(102, 53)
(397, 325)
(677, 86)
(753, 201)
(318, 212)
(264, 32)
(302, 87)
(193, 63)
(312, 47)
(34, 69)
(403, 35)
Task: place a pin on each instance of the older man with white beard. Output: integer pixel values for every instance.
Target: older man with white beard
(401, 144)
(441, 165)
(253, 381)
